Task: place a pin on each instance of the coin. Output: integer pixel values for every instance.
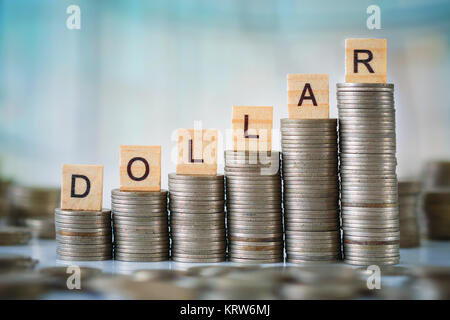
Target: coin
(83, 235)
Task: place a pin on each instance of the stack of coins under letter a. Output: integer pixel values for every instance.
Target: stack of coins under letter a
(140, 221)
(311, 190)
(83, 235)
(368, 164)
(197, 218)
(408, 204)
(254, 213)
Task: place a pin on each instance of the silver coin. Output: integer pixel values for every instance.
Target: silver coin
(83, 258)
(61, 212)
(193, 260)
(138, 194)
(139, 259)
(178, 177)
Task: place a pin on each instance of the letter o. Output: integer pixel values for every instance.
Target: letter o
(147, 169)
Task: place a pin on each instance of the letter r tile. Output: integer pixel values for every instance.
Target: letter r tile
(365, 60)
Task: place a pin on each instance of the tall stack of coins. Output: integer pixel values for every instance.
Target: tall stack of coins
(197, 218)
(83, 235)
(437, 211)
(368, 173)
(254, 212)
(408, 199)
(33, 207)
(311, 189)
(141, 231)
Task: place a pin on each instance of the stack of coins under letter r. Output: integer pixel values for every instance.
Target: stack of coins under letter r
(368, 173)
(311, 189)
(197, 218)
(141, 231)
(254, 213)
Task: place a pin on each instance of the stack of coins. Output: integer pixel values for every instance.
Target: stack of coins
(197, 218)
(311, 189)
(4, 201)
(141, 231)
(10, 236)
(33, 207)
(408, 198)
(437, 211)
(254, 212)
(83, 235)
(436, 174)
(368, 173)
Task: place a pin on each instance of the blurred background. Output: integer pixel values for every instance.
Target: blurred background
(138, 70)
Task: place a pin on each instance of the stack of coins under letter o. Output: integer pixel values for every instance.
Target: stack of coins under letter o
(408, 200)
(254, 213)
(311, 190)
(140, 221)
(197, 218)
(368, 173)
(83, 235)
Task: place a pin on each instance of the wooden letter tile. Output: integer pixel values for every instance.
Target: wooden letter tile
(140, 168)
(365, 60)
(197, 152)
(252, 128)
(308, 96)
(82, 187)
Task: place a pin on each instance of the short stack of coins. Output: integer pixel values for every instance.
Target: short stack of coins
(311, 190)
(408, 201)
(33, 207)
(11, 236)
(367, 143)
(197, 218)
(254, 211)
(83, 235)
(436, 175)
(4, 201)
(140, 223)
(436, 205)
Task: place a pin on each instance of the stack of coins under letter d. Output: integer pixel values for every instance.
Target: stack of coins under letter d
(311, 190)
(83, 235)
(197, 218)
(141, 231)
(368, 163)
(254, 213)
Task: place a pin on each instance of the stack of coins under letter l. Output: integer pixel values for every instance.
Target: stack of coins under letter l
(368, 163)
(311, 189)
(254, 213)
(197, 218)
(83, 235)
(141, 231)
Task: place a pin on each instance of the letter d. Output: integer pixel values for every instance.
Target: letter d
(73, 194)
